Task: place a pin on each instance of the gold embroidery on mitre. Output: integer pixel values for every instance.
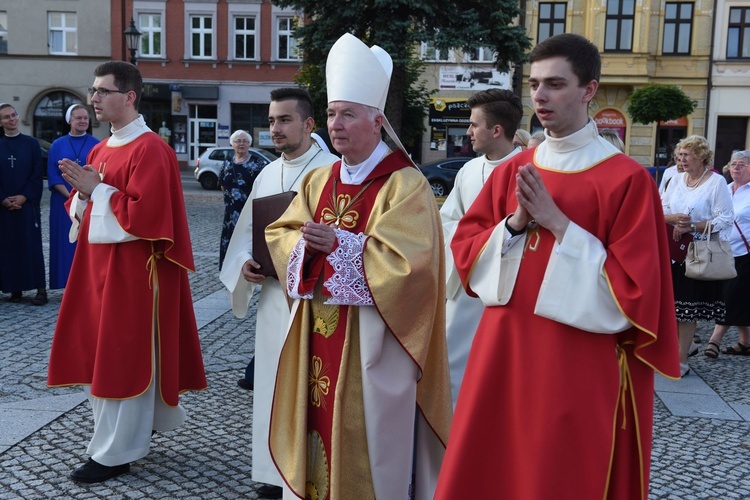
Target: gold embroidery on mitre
(316, 487)
(342, 215)
(319, 382)
(325, 317)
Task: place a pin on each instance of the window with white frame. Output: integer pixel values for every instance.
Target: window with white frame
(738, 33)
(63, 33)
(430, 53)
(3, 32)
(152, 34)
(482, 54)
(201, 36)
(244, 37)
(286, 42)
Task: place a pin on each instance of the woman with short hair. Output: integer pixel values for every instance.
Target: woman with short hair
(695, 198)
(236, 180)
(737, 312)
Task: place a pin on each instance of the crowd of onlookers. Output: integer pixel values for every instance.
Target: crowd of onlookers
(699, 204)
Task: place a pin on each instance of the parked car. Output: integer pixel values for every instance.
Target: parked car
(442, 173)
(208, 166)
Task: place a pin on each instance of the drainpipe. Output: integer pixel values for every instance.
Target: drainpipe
(518, 69)
(709, 83)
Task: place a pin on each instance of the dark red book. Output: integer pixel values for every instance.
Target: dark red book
(267, 210)
(678, 249)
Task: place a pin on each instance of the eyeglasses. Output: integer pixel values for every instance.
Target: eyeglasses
(8, 117)
(242, 141)
(102, 93)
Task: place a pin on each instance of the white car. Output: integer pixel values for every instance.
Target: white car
(208, 166)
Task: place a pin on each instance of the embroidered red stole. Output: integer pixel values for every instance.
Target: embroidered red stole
(334, 344)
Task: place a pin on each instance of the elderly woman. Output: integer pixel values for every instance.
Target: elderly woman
(536, 139)
(737, 312)
(694, 199)
(521, 139)
(236, 180)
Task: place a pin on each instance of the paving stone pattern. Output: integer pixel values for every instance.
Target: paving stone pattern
(696, 457)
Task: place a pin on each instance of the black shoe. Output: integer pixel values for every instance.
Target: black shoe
(15, 297)
(40, 299)
(94, 472)
(269, 491)
(244, 384)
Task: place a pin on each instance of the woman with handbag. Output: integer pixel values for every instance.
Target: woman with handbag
(694, 199)
(735, 290)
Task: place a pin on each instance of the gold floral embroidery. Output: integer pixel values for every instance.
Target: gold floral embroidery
(325, 317)
(319, 383)
(317, 484)
(342, 215)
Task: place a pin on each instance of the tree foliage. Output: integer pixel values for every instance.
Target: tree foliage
(654, 103)
(398, 26)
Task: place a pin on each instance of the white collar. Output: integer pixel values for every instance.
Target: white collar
(495, 163)
(303, 159)
(128, 133)
(356, 174)
(589, 147)
(14, 135)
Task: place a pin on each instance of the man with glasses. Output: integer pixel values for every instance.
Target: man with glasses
(126, 329)
(21, 256)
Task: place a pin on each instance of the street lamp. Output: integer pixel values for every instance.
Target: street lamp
(132, 37)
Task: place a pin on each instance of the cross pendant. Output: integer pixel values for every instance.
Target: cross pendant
(12, 160)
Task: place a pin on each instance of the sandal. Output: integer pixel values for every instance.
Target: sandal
(693, 350)
(712, 350)
(40, 299)
(738, 349)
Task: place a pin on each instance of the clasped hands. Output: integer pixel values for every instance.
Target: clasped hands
(83, 178)
(535, 203)
(14, 202)
(318, 237)
(682, 225)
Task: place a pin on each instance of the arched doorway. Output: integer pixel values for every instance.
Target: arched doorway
(49, 114)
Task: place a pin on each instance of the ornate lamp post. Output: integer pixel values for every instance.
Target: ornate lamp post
(132, 37)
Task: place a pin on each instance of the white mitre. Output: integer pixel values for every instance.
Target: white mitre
(360, 74)
(356, 73)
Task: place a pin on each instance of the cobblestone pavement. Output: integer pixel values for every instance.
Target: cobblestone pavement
(694, 457)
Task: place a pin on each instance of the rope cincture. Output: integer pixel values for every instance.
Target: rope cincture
(153, 275)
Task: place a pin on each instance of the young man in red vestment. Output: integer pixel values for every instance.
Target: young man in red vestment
(126, 329)
(565, 246)
(362, 403)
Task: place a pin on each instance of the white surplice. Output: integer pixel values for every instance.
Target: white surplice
(273, 311)
(574, 283)
(462, 312)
